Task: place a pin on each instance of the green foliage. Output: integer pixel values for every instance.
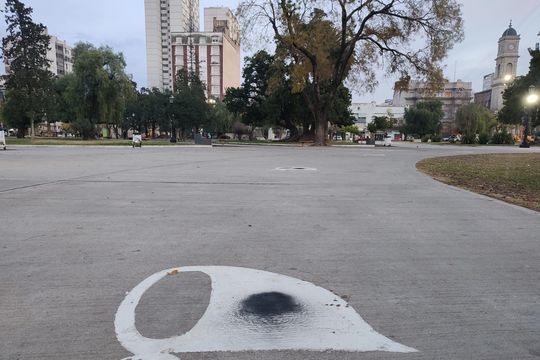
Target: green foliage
(483, 138)
(29, 83)
(436, 138)
(474, 119)
(189, 109)
(221, 120)
(267, 97)
(424, 118)
(327, 44)
(515, 106)
(250, 99)
(100, 89)
(351, 129)
(502, 137)
(380, 123)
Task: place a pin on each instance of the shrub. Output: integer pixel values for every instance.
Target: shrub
(502, 137)
(483, 138)
(436, 138)
(425, 138)
(468, 139)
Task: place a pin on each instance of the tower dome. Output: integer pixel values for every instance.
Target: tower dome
(510, 31)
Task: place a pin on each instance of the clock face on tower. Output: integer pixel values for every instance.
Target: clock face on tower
(511, 47)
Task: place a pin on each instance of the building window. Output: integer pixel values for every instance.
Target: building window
(360, 120)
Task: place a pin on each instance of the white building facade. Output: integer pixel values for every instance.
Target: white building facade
(505, 67)
(58, 54)
(162, 19)
(221, 19)
(453, 95)
(365, 113)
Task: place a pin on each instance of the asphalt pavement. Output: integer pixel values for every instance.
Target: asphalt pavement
(447, 272)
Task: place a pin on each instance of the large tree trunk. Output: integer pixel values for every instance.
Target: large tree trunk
(32, 128)
(21, 132)
(321, 129)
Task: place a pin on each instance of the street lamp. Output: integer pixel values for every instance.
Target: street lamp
(173, 129)
(532, 99)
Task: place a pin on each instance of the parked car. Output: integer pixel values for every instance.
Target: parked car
(454, 138)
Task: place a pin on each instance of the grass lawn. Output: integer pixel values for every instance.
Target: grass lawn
(77, 141)
(514, 178)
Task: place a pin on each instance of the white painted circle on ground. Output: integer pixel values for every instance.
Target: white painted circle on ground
(254, 310)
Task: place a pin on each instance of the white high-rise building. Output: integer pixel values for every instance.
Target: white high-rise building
(221, 19)
(58, 54)
(164, 17)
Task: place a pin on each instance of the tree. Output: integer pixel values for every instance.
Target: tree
(100, 88)
(189, 109)
(221, 120)
(250, 101)
(327, 42)
(472, 120)
(379, 123)
(266, 97)
(28, 82)
(514, 96)
(351, 129)
(424, 118)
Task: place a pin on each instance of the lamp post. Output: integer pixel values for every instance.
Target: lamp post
(532, 99)
(173, 129)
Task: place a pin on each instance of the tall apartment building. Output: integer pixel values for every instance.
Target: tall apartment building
(214, 53)
(221, 19)
(59, 56)
(163, 18)
(453, 96)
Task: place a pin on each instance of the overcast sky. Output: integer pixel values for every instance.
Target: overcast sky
(120, 24)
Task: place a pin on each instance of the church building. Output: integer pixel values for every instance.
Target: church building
(505, 71)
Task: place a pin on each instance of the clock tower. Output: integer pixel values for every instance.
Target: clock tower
(506, 66)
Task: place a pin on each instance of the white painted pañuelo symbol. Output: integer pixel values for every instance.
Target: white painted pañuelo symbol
(292, 168)
(325, 321)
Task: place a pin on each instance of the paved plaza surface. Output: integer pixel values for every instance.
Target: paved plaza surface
(449, 273)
